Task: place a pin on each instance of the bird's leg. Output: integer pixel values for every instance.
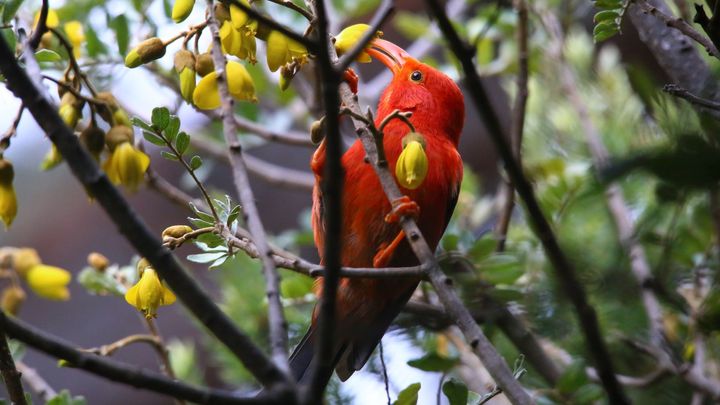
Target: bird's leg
(402, 206)
(351, 79)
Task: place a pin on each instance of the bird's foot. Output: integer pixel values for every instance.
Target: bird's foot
(351, 79)
(382, 258)
(401, 207)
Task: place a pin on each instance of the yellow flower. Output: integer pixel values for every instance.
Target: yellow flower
(8, 200)
(149, 293)
(238, 17)
(412, 164)
(182, 9)
(49, 282)
(51, 159)
(52, 20)
(238, 42)
(126, 165)
(76, 36)
(347, 38)
(206, 95)
(282, 50)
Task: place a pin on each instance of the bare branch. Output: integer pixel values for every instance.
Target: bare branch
(678, 91)
(37, 384)
(10, 374)
(276, 317)
(565, 271)
(125, 374)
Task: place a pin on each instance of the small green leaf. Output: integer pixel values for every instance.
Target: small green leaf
(482, 248)
(172, 128)
(501, 269)
(10, 38)
(64, 398)
(160, 117)
(207, 257)
(573, 378)
(47, 55)
(153, 139)
(138, 122)
(606, 15)
(605, 30)
(195, 162)
(588, 394)
(94, 46)
(456, 392)
(409, 395)
(119, 24)
(182, 142)
(100, 283)
(294, 285)
(169, 156)
(450, 242)
(608, 4)
(434, 362)
(10, 9)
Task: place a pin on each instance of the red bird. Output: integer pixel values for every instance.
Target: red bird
(366, 307)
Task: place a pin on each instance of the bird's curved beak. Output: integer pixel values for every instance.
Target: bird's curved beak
(388, 53)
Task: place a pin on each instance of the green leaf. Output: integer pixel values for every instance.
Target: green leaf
(588, 394)
(9, 10)
(153, 139)
(450, 242)
(167, 8)
(160, 117)
(64, 398)
(605, 30)
(100, 283)
(94, 46)
(172, 128)
(608, 4)
(183, 361)
(434, 362)
(606, 15)
(47, 55)
(411, 25)
(482, 248)
(207, 257)
(138, 122)
(119, 24)
(195, 162)
(501, 269)
(168, 155)
(294, 285)
(233, 215)
(456, 392)
(409, 395)
(9, 36)
(573, 378)
(182, 142)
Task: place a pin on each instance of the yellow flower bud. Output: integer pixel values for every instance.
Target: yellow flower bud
(349, 37)
(98, 261)
(149, 293)
(206, 95)
(182, 9)
(317, 132)
(204, 64)
(176, 231)
(185, 67)
(12, 299)
(76, 36)
(49, 282)
(51, 159)
(126, 165)
(412, 164)
(93, 139)
(238, 17)
(117, 135)
(8, 199)
(282, 50)
(146, 51)
(69, 114)
(24, 259)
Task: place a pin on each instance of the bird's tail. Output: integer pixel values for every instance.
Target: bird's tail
(302, 358)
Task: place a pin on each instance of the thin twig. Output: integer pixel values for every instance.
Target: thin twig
(10, 374)
(276, 317)
(162, 353)
(678, 91)
(35, 382)
(292, 6)
(566, 274)
(5, 139)
(386, 380)
(111, 348)
(122, 373)
(261, 19)
(518, 120)
(41, 27)
(86, 170)
(680, 25)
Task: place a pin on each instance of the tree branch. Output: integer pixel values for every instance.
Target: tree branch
(678, 91)
(130, 225)
(10, 374)
(276, 317)
(564, 269)
(125, 374)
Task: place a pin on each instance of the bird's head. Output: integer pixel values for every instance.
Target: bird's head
(434, 99)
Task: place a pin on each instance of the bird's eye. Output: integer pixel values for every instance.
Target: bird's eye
(416, 76)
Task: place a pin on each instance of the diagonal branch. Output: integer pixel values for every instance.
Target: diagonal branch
(564, 269)
(276, 317)
(121, 373)
(10, 374)
(129, 223)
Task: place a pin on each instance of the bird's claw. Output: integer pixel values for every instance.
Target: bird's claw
(402, 206)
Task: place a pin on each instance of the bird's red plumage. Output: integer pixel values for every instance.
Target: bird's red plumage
(365, 307)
